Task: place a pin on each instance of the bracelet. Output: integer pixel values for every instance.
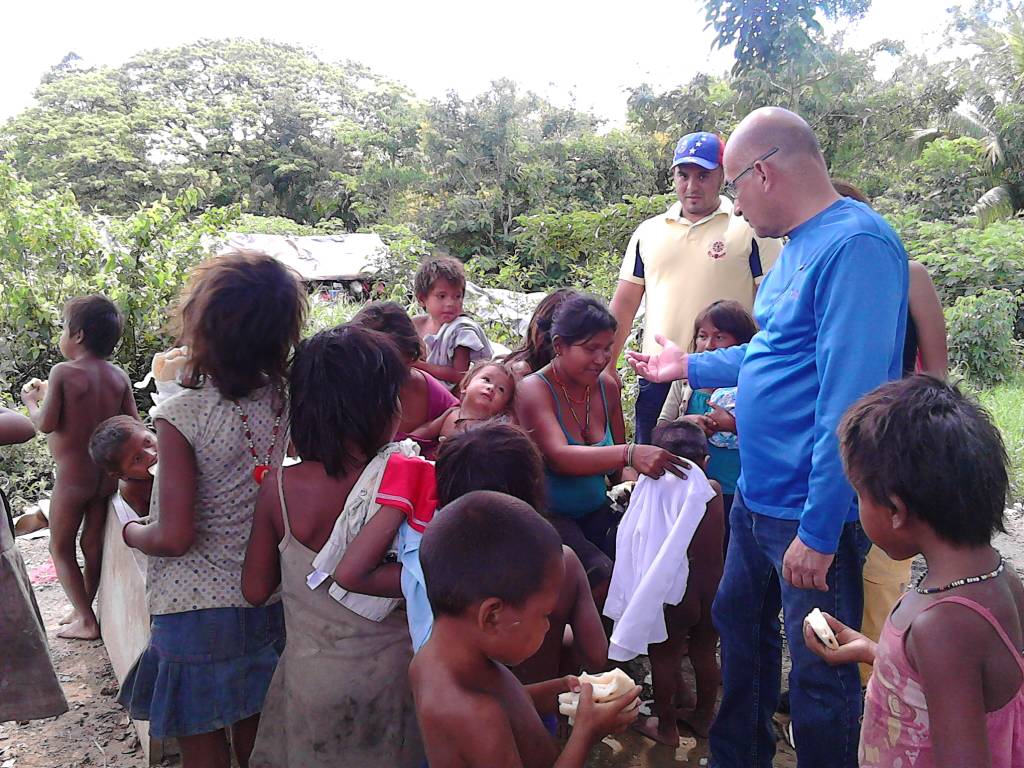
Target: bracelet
(625, 455)
(629, 454)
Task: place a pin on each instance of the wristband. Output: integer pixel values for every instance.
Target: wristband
(629, 454)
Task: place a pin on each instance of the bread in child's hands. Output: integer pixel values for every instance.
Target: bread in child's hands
(34, 389)
(607, 686)
(167, 365)
(819, 625)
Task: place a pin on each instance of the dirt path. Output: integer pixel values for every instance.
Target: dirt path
(94, 732)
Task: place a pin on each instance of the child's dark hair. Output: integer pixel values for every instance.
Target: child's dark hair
(921, 441)
(492, 457)
(99, 320)
(579, 318)
(483, 545)
(344, 396)
(536, 350)
(241, 315)
(683, 438)
(106, 446)
(393, 321)
(729, 316)
(438, 268)
(502, 366)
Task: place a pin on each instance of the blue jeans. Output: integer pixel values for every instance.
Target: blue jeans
(649, 401)
(825, 701)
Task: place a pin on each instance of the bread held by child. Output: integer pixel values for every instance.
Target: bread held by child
(607, 686)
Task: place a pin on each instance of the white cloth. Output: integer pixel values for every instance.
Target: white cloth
(460, 332)
(651, 564)
(360, 506)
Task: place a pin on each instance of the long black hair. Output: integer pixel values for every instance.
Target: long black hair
(580, 318)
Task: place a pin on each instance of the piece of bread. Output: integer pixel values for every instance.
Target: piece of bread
(166, 365)
(822, 630)
(607, 686)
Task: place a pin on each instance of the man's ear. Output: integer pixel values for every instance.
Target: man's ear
(900, 513)
(488, 614)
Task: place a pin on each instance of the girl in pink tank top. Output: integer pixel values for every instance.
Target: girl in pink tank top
(947, 688)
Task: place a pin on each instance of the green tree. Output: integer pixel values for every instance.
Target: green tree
(992, 81)
(770, 35)
(263, 123)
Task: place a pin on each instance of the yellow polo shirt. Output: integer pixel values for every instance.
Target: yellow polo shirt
(684, 266)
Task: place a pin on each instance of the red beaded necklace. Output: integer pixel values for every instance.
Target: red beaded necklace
(261, 469)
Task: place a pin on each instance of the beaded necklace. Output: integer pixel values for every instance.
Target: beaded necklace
(260, 470)
(959, 582)
(584, 425)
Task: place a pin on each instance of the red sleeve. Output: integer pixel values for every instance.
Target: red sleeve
(408, 485)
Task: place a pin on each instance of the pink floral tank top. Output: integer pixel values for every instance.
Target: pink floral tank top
(895, 732)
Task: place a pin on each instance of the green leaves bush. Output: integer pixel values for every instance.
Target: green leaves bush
(965, 260)
(980, 329)
(51, 251)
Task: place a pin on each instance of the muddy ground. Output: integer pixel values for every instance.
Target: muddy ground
(96, 733)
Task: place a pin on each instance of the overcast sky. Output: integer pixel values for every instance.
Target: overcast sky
(558, 48)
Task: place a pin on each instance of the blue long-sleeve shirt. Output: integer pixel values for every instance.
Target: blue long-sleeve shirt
(833, 315)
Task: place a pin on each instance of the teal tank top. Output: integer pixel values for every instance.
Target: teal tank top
(576, 495)
(725, 462)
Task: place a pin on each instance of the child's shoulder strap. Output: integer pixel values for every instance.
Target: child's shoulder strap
(284, 507)
(987, 615)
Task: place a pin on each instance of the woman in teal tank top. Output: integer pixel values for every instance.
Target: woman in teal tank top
(573, 411)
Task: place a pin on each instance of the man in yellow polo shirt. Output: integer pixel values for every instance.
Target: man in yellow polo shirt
(695, 253)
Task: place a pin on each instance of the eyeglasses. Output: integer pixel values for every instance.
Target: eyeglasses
(730, 186)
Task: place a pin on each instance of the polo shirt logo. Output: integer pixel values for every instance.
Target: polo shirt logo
(717, 250)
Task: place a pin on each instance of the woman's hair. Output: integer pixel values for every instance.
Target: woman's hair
(99, 320)
(846, 189)
(921, 441)
(491, 457)
(536, 350)
(502, 366)
(726, 315)
(579, 318)
(393, 321)
(241, 315)
(344, 396)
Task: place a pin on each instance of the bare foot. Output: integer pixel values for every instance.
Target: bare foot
(69, 617)
(81, 629)
(652, 729)
(700, 724)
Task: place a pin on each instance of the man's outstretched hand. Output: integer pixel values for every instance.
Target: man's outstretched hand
(667, 365)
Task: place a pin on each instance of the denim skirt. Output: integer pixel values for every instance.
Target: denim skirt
(204, 670)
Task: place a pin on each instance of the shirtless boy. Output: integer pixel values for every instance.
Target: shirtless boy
(80, 394)
(123, 447)
(493, 569)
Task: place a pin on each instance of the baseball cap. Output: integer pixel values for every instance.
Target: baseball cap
(702, 148)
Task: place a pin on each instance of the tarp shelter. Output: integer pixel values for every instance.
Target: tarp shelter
(317, 258)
